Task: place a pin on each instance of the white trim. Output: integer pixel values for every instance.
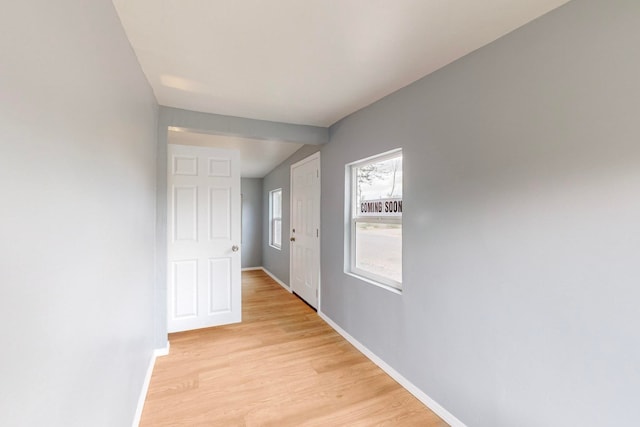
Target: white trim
(408, 385)
(158, 352)
(278, 281)
(381, 157)
(373, 282)
(252, 268)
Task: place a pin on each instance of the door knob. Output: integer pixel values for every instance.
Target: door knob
(235, 248)
(293, 239)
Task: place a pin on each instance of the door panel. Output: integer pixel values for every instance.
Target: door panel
(185, 165)
(185, 208)
(185, 288)
(203, 229)
(219, 167)
(220, 285)
(219, 213)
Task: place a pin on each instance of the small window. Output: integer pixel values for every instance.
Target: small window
(376, 219)
(275, 218)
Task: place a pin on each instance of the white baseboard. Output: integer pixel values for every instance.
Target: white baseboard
(278, 281)
(158, 352)
(252, 268)
(408, 385)
(162, 351)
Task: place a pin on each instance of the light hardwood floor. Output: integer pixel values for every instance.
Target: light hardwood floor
(282, 366)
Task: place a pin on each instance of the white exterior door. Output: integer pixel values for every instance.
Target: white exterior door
(305, 229)
(204, 284)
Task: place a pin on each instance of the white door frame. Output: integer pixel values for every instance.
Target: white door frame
(313, 156)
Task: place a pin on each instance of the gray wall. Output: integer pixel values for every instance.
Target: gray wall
(77, 216)
(521, 225)
(274, 260)
(251, 189)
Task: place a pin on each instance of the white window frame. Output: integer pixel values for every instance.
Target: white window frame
(273, 219)
(353, 220)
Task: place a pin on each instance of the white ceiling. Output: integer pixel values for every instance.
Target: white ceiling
(305, 61)
(257, 157)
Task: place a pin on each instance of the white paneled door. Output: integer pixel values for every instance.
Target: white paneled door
(305, 229)
(203, 224)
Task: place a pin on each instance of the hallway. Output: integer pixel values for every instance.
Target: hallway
(282, 366)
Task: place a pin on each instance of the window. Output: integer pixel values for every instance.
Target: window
(275, 218)
(376, 219)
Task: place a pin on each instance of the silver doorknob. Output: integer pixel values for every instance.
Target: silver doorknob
(293, 239)
(235, 248)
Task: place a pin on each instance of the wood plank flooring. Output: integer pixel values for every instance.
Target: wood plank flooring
(282, 366)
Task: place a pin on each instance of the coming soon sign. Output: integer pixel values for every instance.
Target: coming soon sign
(380, 207)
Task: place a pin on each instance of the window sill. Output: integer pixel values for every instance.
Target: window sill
(373, 282)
